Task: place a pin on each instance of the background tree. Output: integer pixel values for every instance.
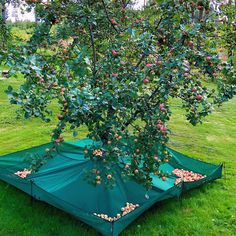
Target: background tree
(227, 29)
(116, 72)
(5, 34)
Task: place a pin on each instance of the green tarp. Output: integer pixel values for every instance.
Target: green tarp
(61, 183)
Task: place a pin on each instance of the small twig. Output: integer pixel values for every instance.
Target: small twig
(159, 22)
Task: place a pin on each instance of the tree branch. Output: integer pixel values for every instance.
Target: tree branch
(107, 15)
(93, 48)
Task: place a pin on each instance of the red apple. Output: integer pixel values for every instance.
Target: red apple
(164, 178)
(114, 52)
(162, 107)
(57, 141)
(148, 65)
(200, 8)
(199, 97)
(163, 129)
(146, 81)
(113, 21)
(190, 43)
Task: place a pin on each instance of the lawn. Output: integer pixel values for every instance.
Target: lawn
(208, 210)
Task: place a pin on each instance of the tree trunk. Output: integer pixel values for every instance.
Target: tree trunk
(4, 11)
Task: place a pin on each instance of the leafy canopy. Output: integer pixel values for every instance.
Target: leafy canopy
(115, 70)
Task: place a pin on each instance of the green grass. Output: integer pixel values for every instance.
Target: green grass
(208, 210)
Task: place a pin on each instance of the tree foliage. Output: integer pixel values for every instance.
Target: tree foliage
(116, 70)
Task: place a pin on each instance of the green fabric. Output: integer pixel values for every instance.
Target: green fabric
(61, 183)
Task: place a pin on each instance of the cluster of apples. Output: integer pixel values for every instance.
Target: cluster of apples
(108, 218)
(97, 153)
(23, 173)
(125, 210)
(186, 176)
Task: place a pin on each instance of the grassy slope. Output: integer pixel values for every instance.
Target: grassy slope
(209, 210)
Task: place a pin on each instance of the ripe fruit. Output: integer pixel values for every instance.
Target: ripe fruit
(164, 178)
(148, 65)
(194, 89)
(208, 58)
(114, 52)
(163, 129)
(200, 8)
(113, 21)
(199, 97)
(57, 141)
(109, 176)
(114, 74)
(65, 51)
(190, 43)
(162, 107)
(146, 81)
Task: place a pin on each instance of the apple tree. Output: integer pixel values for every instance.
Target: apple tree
(115, 70)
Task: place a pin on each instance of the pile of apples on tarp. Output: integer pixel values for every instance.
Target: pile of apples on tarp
(186, 176)
(23, 173)
(124, 211)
